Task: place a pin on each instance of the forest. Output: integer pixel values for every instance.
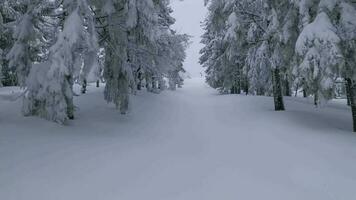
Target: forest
(177, 99)
(47, 46)
(282, 48)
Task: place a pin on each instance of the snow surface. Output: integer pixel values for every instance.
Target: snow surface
(192, 144)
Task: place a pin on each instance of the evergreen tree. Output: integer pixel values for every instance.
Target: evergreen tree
(318, 45)
(52, 97)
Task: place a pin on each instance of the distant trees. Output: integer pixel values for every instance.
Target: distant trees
(273, 47)
(49, 45)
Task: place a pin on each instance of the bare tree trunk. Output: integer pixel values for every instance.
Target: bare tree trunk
(277, 91)
(239, 85)
(287, 88)
(348, 85)
(154, 83)
(69, 100)
(234, 89)
(316, 99)
(84, 86)
(352, 98)
(296, 90)
(246, 87)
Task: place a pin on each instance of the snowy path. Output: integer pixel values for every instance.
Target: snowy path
(191, 144)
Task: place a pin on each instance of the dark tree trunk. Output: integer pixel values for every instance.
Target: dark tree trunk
(69, 99)
(287, 89)
(239, 86)
(97, 83)
(348, 85)
(277, 91)
(233, 90)
(70, 110)
(246, 86)
(296, 90)
(84, 86)
(305, 91)
(353, 109)
(352, 97)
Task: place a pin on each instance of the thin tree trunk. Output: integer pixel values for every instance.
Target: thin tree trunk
(348, 85)
(287, 88)
(316, 99)
(234, 90)
(69, 99)
(296, 90)
(84, 86)
(154, 83)
(277, 91)
(239, 85)
(246, 87)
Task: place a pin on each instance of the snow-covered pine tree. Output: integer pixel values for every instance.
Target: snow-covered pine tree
(8, 16)
(117, 72)
(236, 50)
(50, 84)
(214, 55)
(318, 47)
(22, 53)
(253, 39)
(174, 58)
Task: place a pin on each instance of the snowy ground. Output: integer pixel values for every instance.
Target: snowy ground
(191, 144)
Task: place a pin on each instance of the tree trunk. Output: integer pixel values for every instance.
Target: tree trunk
(316, 99)
(353, 109)
(348, 85)
(296, 90)
(352, 98)
(233, 90)
(97, 83)
(305, 93)
(277, 91)
(239, 86)
(288, 89)
(246, 88)
(84, 86)
(69, 99)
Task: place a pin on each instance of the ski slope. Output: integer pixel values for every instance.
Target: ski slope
(191, 144)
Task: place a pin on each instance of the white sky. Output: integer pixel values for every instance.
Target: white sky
(189, 15)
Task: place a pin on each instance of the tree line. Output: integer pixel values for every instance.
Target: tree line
(46, 46)
(281, 47)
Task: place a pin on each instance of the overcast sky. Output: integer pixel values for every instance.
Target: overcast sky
(189, 15)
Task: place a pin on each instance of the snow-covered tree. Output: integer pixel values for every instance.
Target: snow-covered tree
(215, 56)
(318, 45)
(22, 53)
(52, 97)
(265, 29)
(55, 44)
